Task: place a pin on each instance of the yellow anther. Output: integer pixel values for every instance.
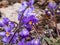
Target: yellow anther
(7, 34)
(30, 22)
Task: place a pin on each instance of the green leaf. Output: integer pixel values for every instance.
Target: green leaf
(48, 40)
(56, 43)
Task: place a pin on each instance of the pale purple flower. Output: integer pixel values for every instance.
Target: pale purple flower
(23, 6)
(35, 42)
(52, 5)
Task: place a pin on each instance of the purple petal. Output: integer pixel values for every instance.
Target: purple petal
(28, 11)
(25, 20)
(52, 5)
(24, 33)
(35, 42)
(5, 20)
(7, 29)
(28, 27)
(31, 2)
(24, 5)
(2, 33)
(12, 33)
(11, 24)
(22, 42)
(1, 23)
(5, 39)
(33, 19)
(32, 16)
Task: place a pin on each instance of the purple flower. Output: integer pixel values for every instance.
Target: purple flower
(24, 33)
(7, 35)
(7, 39)
(7, 32)
(52, 5)
(35, 42)
(30, 20)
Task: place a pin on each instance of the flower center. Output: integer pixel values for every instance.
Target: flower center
(7, 34)
(30, 22)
